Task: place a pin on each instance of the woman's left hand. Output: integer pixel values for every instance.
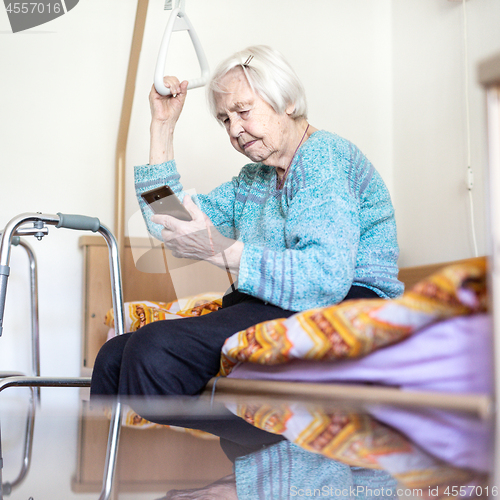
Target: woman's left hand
(198, 239)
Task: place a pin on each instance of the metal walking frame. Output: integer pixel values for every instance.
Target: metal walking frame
(15, 228)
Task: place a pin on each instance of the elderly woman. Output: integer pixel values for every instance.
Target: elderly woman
(308, 222)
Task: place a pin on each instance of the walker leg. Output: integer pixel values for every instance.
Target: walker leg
(111, 451)
(35, 328)
(28, 447)
(1, 468)
(115, 424)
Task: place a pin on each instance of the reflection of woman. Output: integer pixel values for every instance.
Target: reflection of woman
(307, 223)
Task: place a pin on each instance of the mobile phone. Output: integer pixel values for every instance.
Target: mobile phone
(163, 201)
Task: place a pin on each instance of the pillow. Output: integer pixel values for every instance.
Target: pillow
(141, 313)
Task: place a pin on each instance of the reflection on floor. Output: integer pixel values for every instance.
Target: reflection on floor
(329, 452)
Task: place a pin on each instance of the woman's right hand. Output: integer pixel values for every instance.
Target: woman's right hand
(167, 109)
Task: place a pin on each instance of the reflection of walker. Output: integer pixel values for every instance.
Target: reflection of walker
(10, 236)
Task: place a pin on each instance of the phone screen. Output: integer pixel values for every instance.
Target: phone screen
(164, 201)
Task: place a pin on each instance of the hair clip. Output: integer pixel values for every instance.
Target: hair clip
(249, 59)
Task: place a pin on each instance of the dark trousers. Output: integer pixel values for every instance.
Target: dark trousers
(178, 357)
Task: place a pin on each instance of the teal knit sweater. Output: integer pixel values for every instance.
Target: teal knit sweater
(330, 226)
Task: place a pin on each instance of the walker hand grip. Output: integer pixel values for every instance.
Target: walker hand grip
(80, 222)
(4, 276)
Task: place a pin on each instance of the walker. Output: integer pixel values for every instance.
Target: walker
(17, 227)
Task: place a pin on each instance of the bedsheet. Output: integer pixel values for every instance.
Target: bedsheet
(451, 356)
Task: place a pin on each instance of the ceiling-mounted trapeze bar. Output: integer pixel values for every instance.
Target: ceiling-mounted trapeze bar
(179, 21)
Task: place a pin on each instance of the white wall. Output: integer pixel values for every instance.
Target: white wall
(388, 75)
(430, 133)
(314, 44)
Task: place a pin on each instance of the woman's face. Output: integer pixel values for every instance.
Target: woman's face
(254, 128)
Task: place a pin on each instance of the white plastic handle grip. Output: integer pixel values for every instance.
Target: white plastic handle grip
(179, 21)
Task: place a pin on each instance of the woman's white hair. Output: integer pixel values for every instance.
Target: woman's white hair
(268, 74)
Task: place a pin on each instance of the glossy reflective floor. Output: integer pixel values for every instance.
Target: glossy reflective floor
(332, 449)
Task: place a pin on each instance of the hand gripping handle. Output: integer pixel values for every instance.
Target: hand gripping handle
(79, 222)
